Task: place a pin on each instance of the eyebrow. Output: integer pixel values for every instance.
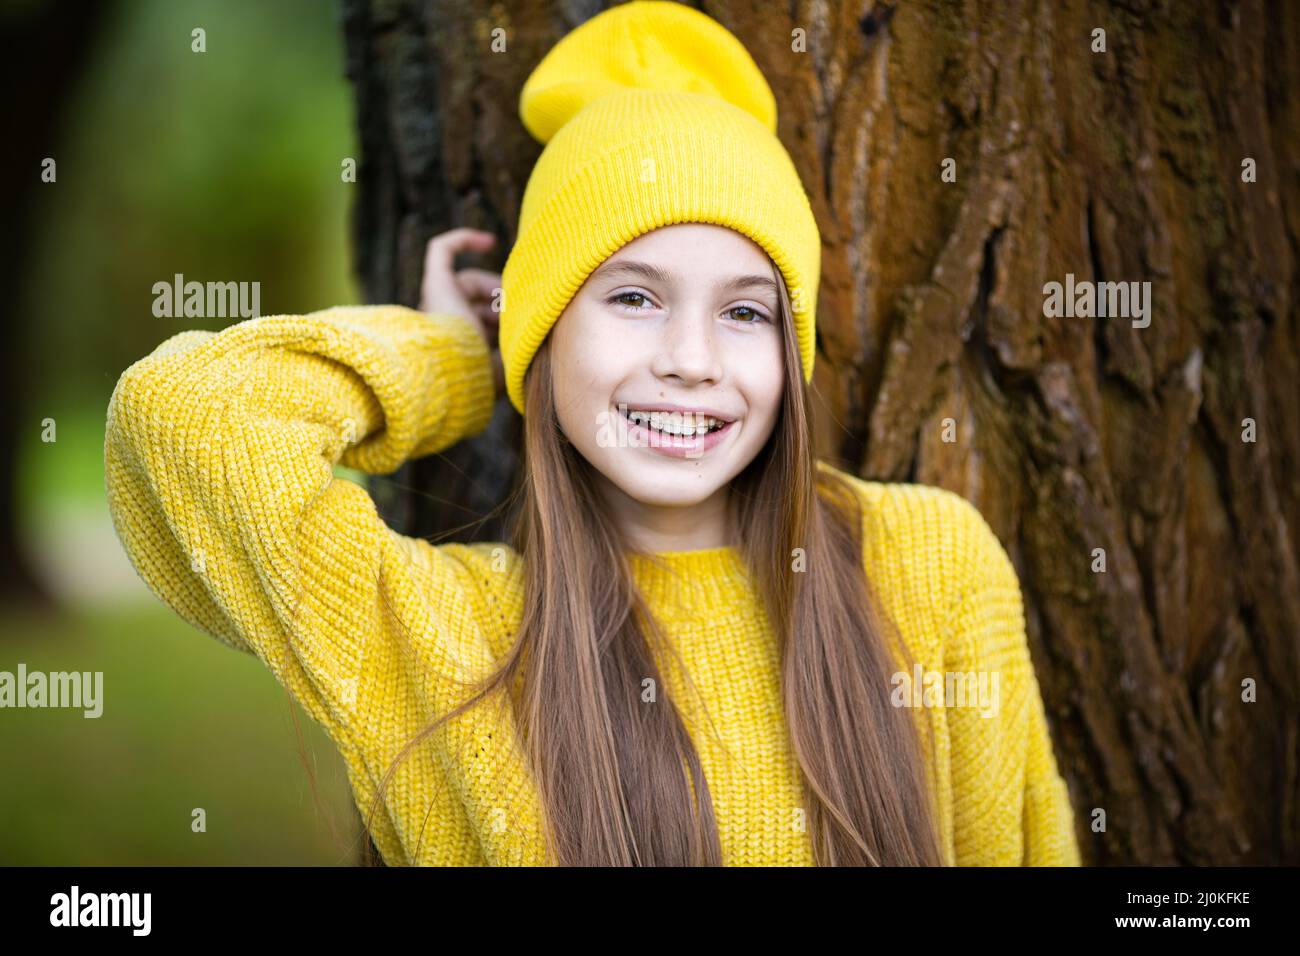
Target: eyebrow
(652, 273)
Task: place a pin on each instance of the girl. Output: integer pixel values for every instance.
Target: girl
(702, 646)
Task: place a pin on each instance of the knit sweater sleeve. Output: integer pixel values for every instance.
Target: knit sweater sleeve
(219, 460)
(1012, 806)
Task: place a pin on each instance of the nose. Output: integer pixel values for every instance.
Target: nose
(688, 350)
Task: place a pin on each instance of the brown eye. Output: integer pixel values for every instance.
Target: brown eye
(618, 299)
(754, 317)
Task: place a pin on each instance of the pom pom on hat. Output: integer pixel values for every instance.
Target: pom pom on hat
(643, 44)
(652, 113)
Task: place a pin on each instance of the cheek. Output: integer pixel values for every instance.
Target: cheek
(584, 361)
(593, 350)
(762, 380)
(764, 409)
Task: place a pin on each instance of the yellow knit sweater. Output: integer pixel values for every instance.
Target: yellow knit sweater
(219, 460)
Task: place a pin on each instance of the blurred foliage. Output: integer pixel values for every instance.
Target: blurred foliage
(221, 166)
(68, 472)
(186, 723)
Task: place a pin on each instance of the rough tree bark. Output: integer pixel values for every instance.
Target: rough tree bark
(1071, 434)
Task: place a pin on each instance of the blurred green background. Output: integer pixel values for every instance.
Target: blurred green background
(223, 165)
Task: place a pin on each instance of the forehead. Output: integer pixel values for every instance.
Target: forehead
(685, 241)
(694, 254)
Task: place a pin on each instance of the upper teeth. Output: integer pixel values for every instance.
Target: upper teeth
(677, 423)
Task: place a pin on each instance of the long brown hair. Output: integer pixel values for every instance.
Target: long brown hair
(619, 781)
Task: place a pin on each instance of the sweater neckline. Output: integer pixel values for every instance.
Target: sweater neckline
(700, 553)
(702, 578)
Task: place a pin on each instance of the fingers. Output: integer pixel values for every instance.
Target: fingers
(440, 289)
(442, 248)
(440, 253)
(481, 289)
(479, 282)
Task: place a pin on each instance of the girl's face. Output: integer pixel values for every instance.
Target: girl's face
(683, 318)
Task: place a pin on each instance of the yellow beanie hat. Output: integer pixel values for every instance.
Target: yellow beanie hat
(651, 113)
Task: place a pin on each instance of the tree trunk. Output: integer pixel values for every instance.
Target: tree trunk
(1170, 451)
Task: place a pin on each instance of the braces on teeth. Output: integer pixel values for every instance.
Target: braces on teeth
(675, 423)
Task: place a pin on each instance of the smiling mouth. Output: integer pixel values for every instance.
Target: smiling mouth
(676, 424)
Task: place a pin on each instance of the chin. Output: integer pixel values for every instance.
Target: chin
(661, 488)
